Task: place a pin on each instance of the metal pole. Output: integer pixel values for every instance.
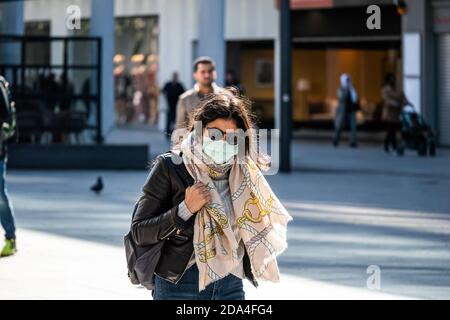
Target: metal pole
(102, 25)
(286, 81)
(99, 136)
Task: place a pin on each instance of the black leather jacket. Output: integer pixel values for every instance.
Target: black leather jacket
(156, 218)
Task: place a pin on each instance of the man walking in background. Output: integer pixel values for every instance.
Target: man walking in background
(204, 75)
(173, 90)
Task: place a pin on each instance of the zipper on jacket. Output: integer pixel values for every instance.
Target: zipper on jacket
(178, 235)
(170, 233)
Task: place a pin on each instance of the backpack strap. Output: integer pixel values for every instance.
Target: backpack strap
(180, 169)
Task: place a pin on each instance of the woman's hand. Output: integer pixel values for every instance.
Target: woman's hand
(196, 197)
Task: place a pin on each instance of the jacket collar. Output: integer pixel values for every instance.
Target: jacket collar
(215, 88)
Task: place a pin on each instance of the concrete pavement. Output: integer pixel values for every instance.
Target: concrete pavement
(352, 209)
(55, 267)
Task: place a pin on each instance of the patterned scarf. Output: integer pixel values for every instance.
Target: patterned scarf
(260, 216)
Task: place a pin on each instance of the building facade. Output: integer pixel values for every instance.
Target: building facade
(330, 37)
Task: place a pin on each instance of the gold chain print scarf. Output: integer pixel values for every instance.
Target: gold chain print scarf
(260, 216)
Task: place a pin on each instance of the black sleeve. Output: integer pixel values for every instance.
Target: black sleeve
(152, 221)
(164, 90)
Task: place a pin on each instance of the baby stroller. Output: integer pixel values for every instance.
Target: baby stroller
(416, 134)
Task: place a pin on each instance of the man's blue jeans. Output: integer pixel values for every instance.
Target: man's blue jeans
(228, 288)
(6, 213)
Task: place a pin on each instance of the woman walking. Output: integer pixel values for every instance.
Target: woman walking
(393, 102)
(210, 203)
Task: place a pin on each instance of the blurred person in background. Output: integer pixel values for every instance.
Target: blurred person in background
(172, 90)
(346, 110)
(232, 81)
(393, 102)
(204, 75)
(51, 89)
(122, 96)
(66, 92)
(153, 91)
(7, 131)
(139, 82)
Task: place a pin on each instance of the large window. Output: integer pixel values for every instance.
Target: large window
(316, 73)
(135, 73)
(316, 69)
(135, 67)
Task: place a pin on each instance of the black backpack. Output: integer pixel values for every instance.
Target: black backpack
(142, 260)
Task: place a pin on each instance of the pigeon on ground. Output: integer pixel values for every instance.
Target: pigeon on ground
(98, 186)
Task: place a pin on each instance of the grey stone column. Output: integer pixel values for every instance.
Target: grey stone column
(11, 22)
(11, 17)
(211, 34)
(418, 19)
(102, 25)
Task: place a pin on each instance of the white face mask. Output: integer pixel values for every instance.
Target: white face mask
(219, 150)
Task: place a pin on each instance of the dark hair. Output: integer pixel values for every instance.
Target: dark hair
(230, 104)
(225, 105)
(204, 60)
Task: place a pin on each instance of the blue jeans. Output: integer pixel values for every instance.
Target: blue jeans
(6, 213)
(228, 288)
